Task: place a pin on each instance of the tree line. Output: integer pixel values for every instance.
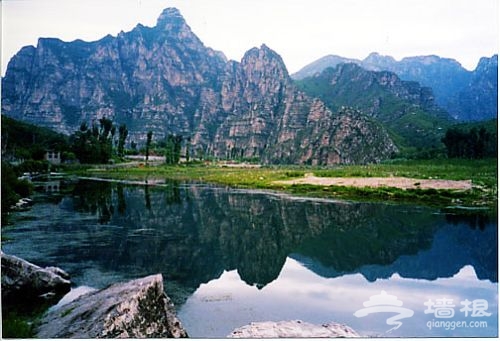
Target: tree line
(472, 144)
(94, 144)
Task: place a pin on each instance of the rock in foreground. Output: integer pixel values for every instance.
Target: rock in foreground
(292, 329)
(23, 281)
(136, 309)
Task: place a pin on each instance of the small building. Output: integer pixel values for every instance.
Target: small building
(53, 157)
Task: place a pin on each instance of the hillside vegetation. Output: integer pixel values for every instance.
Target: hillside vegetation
(405, 109)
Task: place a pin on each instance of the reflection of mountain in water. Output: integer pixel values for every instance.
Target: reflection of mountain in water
(192, 234)
(451, 249)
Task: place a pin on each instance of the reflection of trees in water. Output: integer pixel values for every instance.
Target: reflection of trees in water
(171, 191)
(122, 205)
(147, 197)
(475, 219)
(94, 198)
(98, 199)
(192, 234)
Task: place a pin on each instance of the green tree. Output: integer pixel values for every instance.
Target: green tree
(133, 147)
(149, 138)
(188, 147)
(122, 136)
(200, 153)
(105, 138)
(169, 150)
(177, 148)
(474, 144)
(82, 143)
(94, 144)
(173, 146)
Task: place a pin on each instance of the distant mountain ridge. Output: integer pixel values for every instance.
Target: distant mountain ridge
(466, 95)
(165, 80)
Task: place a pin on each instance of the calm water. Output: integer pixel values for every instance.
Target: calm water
(231, 257)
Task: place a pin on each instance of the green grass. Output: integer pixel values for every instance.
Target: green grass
(483, 173)
(14, 326)
(19, 322)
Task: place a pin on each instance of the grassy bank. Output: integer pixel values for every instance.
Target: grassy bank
(483, 174)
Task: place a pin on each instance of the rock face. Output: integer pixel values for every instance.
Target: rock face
(464, 94)
(164, 79)
(478, 99)
(274, 121)
(25, 282)
(158, 78)
(136, 309)
(407, 109)
(292, 329)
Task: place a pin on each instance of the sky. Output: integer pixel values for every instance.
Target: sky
(301, 31)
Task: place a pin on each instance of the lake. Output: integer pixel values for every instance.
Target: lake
(230, 257)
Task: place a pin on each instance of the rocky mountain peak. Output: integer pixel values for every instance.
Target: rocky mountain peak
(263, 62)
(486, 64)
(478, 99)
(171, 27)
(170, 19)
(377, 61)
(165, 80)
(263, 53)
(432, 62)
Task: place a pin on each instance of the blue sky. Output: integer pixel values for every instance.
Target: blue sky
(301, 31)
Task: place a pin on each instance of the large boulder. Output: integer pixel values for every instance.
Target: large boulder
(292, 329)
(23, 281)
(135, 309)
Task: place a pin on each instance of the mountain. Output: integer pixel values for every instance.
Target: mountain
(405, 108)
(287, 126)
(445, 76)
(149, 78)
(165, 80)
(464, 94)
(321, 64)
(478, 100)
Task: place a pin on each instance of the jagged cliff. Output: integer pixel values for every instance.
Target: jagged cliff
(160, 78)
(164, 79)
(478, 99)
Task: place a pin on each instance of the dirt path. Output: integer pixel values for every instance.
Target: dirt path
(398, 182)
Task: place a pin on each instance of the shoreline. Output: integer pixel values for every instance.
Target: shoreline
(438, 183)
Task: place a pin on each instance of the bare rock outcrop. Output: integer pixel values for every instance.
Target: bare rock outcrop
(292, 329)
(24, 281)
(135, 309)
